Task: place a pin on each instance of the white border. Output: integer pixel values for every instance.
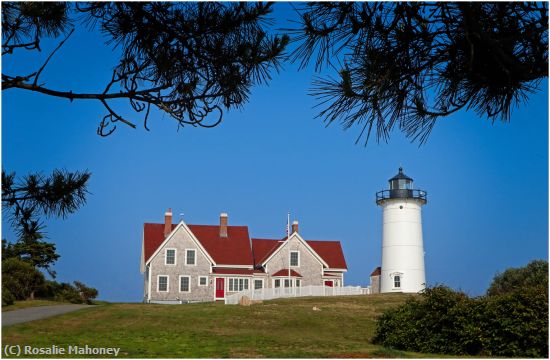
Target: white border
(179, 283)
(194, 250)
(167, 283)
(199, 280)
(175, 256)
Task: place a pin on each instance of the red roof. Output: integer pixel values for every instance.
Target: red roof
(377, 271)
(237, 248)
(262, 248)
(284, 272)
(231, 250)
(331, 252)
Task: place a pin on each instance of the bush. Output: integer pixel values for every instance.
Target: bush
(516, 324)
(533, 274)
(7, 297)
(447, 322)
(20, 278)
(438, 322)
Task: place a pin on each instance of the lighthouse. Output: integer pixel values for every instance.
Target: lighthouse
(402, 245)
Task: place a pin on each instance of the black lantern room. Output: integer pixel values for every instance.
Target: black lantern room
(401, 187)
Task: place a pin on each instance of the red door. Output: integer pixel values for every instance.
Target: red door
(220, 287)
(328, 283)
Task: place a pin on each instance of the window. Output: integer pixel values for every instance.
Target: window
(294, 258)
(397, 281)
(237, 284)
(277, 283)
(170, 257)
(298, 283)
(287, 282)
(258, 284)
(184, 284)
(162, 283)
(190, 257)
(203, 280)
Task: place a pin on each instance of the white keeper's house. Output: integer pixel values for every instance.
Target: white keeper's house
(184, 262)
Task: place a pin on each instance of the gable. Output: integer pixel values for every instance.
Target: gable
(233, 250)
(329, 251)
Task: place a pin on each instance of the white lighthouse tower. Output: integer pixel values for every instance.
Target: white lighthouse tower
(402, 245)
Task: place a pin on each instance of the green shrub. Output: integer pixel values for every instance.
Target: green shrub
(516, 324)
(67, 292)
(20, 278)
(447, 322)
(7, 297)
(533, 274)
(438, 322)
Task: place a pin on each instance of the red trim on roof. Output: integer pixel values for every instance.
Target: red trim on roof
(232, 271)
(284, 272)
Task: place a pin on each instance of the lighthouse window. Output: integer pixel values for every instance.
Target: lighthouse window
(397, 281)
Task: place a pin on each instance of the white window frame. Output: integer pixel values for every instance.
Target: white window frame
(290, 258)
(203, 277)
(296, 282)
(254, 283)
(274, 282)
(167, 283)
(188, 282)
(393, 275)
(175, 257)
(195, 257)
(235, 284)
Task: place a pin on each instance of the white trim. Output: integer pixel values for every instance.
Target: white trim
(296, 235)
(188, 283)
(273, 283)
(149, 283)
(191, 235)
(167, 283)
(335, 269)
(195, 257)
(290, 258)
(199, 280)
(175, 256)
(248, 281)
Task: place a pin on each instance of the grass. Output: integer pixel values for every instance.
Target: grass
(277, 329)
(30, 303)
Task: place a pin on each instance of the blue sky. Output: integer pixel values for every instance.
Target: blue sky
(487, 183)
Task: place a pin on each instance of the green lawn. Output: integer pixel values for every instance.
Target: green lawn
(281, 328)
(31, 303)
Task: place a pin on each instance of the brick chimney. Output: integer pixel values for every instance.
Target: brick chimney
(294, 226)
(167, 222)
(223, 225)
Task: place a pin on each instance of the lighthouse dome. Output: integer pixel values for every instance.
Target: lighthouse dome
(401, 187)
(401, 181)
